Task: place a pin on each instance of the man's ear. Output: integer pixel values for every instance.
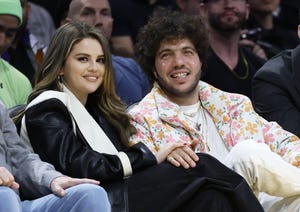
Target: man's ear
(299, 31)
(65, 20)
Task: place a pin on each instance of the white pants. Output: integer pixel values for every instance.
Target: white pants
(267, 172)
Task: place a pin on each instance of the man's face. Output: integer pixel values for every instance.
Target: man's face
(178, 68)
(226, 15)
(264, 6)
(189, 7)
(8, 28)
(94, 12)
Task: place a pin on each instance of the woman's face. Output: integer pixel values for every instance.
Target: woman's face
(84, 68)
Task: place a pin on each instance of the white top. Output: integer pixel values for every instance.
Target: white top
(201, 120)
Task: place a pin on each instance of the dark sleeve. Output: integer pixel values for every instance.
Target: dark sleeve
(50, 131)
(275, 98)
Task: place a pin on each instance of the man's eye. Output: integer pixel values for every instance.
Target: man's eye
(165, 56)
(9, 34)
(188, 52)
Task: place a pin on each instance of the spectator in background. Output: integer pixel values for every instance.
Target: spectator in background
(58, 9)
(27, 50)
(171, 50)
(129, 16)
(40, 23)
(230, 65)
(131, 83)
(288, 14)
(274, 36)
(14, 86)
(276, 89)
(189, 7)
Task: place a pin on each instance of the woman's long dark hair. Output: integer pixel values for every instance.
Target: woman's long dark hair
(47, 78)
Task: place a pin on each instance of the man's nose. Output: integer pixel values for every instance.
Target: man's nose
(2, 38)
(178, 59)
(98, 20)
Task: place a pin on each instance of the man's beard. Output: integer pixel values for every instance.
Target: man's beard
(172, 91)
(215, 21)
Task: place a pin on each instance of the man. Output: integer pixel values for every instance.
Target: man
(230, 66)
(26, 51)
(131, 83)
(276, 90)
(129, 16)
(189, 7)
(274, 35)
(224, 125)
(14, 86)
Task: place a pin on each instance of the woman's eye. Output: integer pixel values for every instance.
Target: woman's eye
(100, 60)
(82, 59)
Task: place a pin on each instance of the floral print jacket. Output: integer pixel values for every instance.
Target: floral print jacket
(159, 121)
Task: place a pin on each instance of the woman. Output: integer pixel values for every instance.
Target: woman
(75, 121)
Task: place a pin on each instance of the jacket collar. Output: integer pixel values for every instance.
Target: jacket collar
(295, 66)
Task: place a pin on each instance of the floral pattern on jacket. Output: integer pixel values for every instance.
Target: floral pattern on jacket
(159, 121)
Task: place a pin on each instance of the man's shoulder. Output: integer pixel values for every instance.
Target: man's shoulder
(124, 62)
(126, 67)
(278, 66)
(146, 104)
(11, 71)
(211, 95)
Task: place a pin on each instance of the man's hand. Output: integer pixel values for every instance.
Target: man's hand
(163, 153)
(256, 49)
(183, 156)
(59, 184)
(7, 179)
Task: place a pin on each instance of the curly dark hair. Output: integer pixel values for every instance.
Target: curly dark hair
(165, 24)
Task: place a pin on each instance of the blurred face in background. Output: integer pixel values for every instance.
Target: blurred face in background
(189, 7)
(226, 15)
(8, 28)
(93, 12)
(263, 6)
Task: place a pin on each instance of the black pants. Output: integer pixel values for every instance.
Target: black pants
(210, 186)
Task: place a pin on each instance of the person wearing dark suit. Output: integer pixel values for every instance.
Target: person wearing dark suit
(276, 89)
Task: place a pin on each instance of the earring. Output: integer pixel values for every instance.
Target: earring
(59, 78)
